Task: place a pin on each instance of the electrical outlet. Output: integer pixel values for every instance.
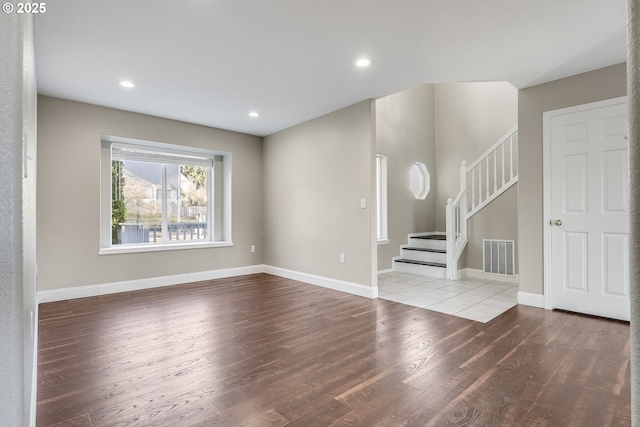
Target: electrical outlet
(341, 257)
(363, 203)
(253, 248)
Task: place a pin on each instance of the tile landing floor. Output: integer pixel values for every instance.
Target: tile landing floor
(471, 298)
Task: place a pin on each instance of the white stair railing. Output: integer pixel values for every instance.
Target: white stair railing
(494, 172)
(484, 180)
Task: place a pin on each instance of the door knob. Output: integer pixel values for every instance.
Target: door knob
(557, 222)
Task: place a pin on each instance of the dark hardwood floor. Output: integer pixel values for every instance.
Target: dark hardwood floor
(266, 351)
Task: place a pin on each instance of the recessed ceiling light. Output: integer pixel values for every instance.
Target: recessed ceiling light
(126, 83)
(363, 62)
(254, 114)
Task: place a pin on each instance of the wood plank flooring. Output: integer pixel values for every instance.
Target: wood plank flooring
(261, 350)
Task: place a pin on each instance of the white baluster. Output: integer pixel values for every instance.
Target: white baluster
(463, 182)
(480, 183)
(511, 157)
(495, 174)
(487, 179)
(455, 225)
(463, 217)
(473, 189)
(458, 223)
(503, 164)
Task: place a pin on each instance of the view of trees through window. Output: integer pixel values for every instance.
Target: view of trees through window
(155, 203)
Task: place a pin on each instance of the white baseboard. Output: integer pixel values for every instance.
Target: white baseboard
(156, 282)
(533, 300)
(461, 274)
(135, 285)
(326, 282)
(479, 274)
(388, 270)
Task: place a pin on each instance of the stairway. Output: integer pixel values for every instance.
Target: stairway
(437, 254)
(426, 254)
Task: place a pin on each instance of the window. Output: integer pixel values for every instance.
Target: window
(157, 196)
(381, 193)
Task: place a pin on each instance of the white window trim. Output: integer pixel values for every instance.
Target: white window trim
(105, 199)
(127, 249)
(382, 232)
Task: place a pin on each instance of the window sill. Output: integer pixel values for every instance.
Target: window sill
(383, 242)
(128, 249)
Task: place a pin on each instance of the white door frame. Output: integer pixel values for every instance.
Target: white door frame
(546, 165)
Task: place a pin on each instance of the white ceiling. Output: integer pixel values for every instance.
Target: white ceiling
(212, 61)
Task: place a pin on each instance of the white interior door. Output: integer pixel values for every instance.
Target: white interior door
(589, 209)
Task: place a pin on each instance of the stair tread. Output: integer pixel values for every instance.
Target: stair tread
(431, 237)
(439, 251)
(412, 261)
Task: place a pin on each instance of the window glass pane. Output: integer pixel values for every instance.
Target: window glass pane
(136, 205)
(381, 193)
(187, 202)
(162, 195)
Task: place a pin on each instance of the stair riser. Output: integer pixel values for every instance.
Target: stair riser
(428, 243)
(425, 270)
(424, 256)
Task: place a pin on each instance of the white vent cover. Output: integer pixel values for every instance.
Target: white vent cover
(499, 257)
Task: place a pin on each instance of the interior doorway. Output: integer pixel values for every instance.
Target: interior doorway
(587, 209)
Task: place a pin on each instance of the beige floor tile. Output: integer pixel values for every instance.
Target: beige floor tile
(443, 308)
(415, 291)
(498, 303)
(457, 302)
(470, 298)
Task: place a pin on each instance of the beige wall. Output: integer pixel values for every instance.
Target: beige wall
(605, 83)
(405, 133)
(68, 224)
(315, 175)
(497, 220)
(470, 118)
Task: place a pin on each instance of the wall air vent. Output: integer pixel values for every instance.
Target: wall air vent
(499, 257)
